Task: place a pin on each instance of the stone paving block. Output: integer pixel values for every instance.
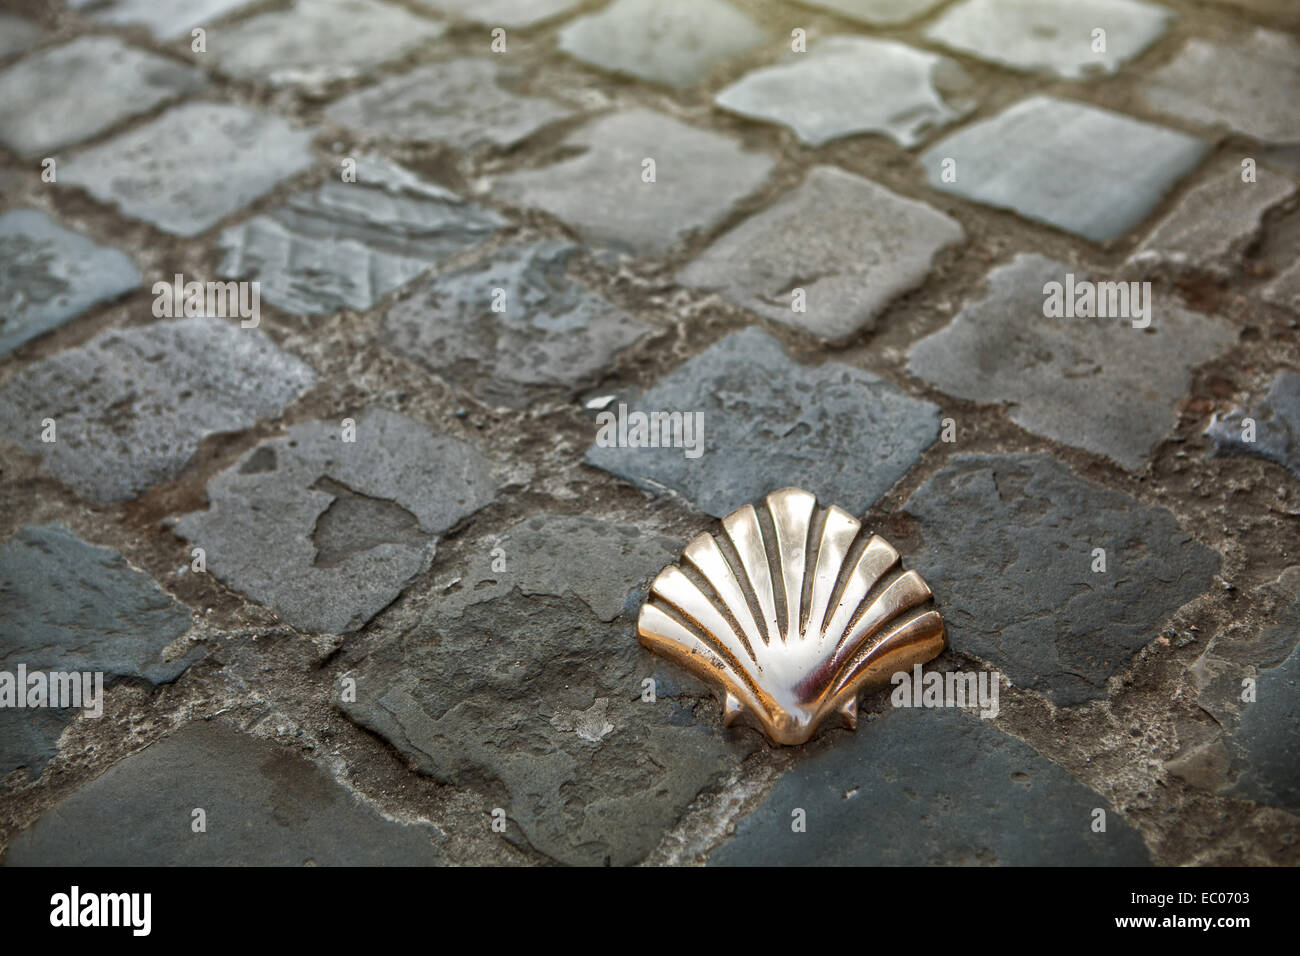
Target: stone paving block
(1285, 289)
(1277, 426)
(1052, 36)
(329, 533)
(845, 85)
(675, 42)
(165, 21)
(1008, 549)
(345, 245)
(1094, 383)
(462, 102)
(70, 93)
(50, 275)
(1265, 745)
(553, 332)
(542, 654)
(193, 166)
(1082, 169)
(287, 45)
(931, 788)
(770, 422)
(16, 35)
(1247, 86)
(263, 804)
(876, 12)
(699, 177)
(132, 405)
(503, 13)
(851, 245)
(69, 606)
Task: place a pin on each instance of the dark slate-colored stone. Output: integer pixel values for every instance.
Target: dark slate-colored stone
(1266, 745)
(1277, 426)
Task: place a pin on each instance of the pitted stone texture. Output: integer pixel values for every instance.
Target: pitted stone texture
(1277, 426)
(876, 12)
(1094, 383)
(193, 166)
(132, 405)
(675, 42)
(463, 102)
(1082, 169)
(543, 654)
(851, 245)
(771, 422)
(329, 532)
(846, 85)
(1051, 36)
(73, 92)
(1008, 542)
(69, 606)
(16, 35)
(49, 275)
(554, 332)
(346, 245)
(165, 21)
(700, 176)
(285, 46)
(264, 805)
(931, 788)
(503, 13)
(1248, 86)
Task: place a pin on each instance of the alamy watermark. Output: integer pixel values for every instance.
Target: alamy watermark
(56, 689)
(1085, 299)
(963, 689)
(241, 300)
(624, 429)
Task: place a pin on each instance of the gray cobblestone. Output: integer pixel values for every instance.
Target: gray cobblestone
(876, 12)
(1277, 426)
(165, 21)
(504, 13)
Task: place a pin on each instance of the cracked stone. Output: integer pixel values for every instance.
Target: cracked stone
(1094, 383)
(131, 406)
(1008, 550)
(771, 422)
(50, 275)
(16, 35)
(1080, 168)
(1277, 426)
(553, 332)
(700, 176)
(328, 533)
(165, 21)
(851, 245)
(193, 166)
(505, 13)
(876, 12)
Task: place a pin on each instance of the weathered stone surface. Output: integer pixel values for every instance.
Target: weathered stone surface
(132, 405)
(16, 35)
(1265, 746)
(1277, 426)
(700, 176)
(771, 422)
(543, 654)
(1285, 288)
(463, 102)
(553, 332)
(191, 167)
(876, 12)
(850, 244)
(164, 20)
(49, 274)
(345, 245)
(1248, 86)
(931, 788)
(676, 42)
(845, 85)
(1095, 383)
(329, 532)
(73, 92)
(263, 805)
(1052, 36)
(1008, 549)
(1086, 170)
(504, 13)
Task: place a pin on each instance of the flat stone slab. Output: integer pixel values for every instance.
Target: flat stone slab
(771, 422)
(1079, 168)
(132, 405)
(504, 13)
(193, 166)
(1277, 426)
(1008, 550)
(328, 533)
(1094, 383)
(699, 178)
(931, 788)
(345, 245)
(16, 34)
(876, 12)
(50, 275)
(1266, 742)
(263, 805)
(165, 21)
(1052, 36)
(1247, 86)
(553, 332)
(463, 102)
(850, 244)
(674, 42)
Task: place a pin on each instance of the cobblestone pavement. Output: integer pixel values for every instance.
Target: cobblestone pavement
(362, 581)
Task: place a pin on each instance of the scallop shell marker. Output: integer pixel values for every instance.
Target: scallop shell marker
(793, 610)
